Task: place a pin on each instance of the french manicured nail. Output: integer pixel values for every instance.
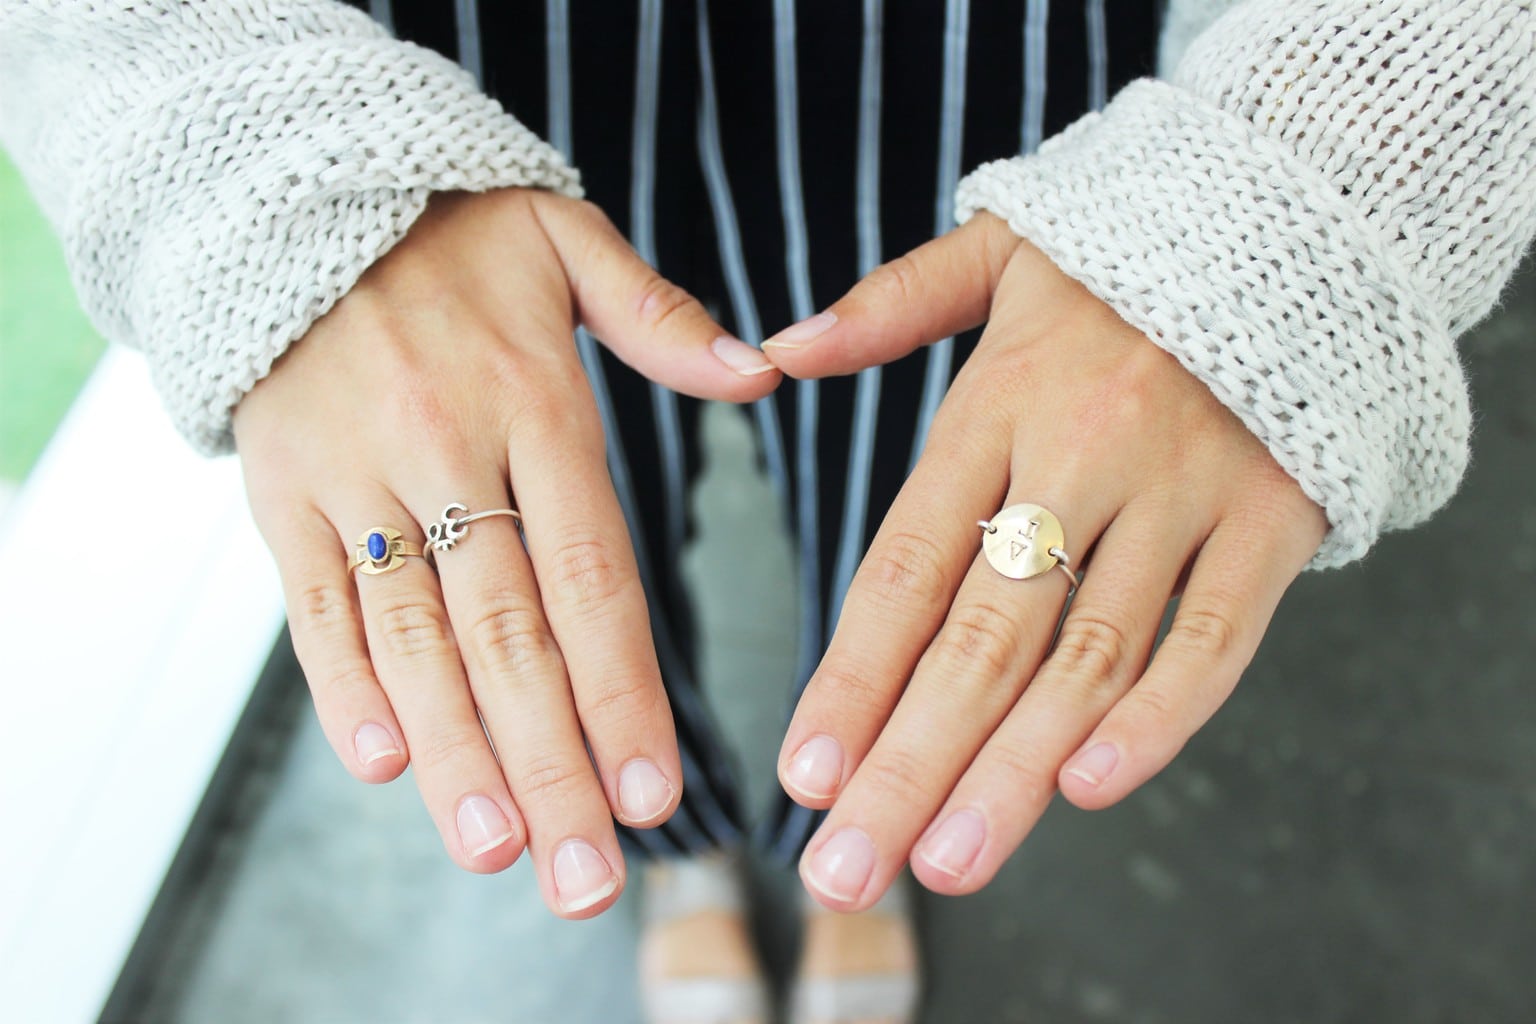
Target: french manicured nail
(953, 846)
(841, 868)
(643, 791)
(803, 333)
(1094, 764)
(582, 876)
(739, 356)
(372, 741)
(817, 768)
(482, 826)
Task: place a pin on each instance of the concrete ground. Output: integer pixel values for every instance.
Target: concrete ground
(1352, 839)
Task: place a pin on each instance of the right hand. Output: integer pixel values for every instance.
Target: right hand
(449, 373)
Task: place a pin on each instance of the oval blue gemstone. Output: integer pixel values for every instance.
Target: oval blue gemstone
(378, 546)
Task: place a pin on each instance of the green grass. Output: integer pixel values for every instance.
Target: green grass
(47, 346)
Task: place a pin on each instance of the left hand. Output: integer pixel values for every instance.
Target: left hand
(942, 718)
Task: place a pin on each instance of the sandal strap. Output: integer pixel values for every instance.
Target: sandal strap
(706, 1001)
(692, 885)
(857, 997)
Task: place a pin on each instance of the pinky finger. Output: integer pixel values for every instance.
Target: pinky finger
(1236, 582)
(326, 623)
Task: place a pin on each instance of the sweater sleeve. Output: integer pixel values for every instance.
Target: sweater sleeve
(221, 173)
(1324, 196)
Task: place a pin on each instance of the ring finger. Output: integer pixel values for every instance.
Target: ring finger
(979, 662)
(1103, 646)
(417, 662)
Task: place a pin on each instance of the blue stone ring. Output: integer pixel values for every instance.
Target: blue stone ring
(380, 550)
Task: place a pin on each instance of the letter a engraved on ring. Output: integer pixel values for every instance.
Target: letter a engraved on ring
(1017, 548)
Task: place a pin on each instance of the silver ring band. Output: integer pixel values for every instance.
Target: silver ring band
(453, 524)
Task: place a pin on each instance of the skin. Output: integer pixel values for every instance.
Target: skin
(449, 373)
(941, 687)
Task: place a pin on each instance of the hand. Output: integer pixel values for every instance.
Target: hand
(449, 373)
(942, 720)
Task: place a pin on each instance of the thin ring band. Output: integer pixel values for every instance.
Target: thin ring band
(453, 524)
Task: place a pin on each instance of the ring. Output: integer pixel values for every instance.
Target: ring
(382, 549)
(454, 523)
(1023, 541)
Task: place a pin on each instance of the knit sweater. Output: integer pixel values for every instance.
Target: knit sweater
(1321, 198)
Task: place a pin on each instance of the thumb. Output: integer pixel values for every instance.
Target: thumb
(940, 288)
(650, 323)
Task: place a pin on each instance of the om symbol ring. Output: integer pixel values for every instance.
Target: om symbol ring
(451, 527)
(1024, 541)
(382, 549)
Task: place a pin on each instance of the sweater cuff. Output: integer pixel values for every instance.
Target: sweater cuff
(1242, 261)
(238, 207)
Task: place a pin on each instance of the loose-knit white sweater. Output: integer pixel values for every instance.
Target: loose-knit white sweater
(1309, 209)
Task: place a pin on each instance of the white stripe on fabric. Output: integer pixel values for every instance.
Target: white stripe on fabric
(1098, 55)
(700, 798)
(642, 229)
(807, 393)
(941, 355)
(733, 263)
(866, 401)
(1036, 31)
(557, 76)
(383, 12)
(466, 16)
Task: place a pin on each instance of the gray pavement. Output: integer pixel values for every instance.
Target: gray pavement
(1353, 838)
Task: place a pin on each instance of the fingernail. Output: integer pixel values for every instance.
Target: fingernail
(372, 741)
(803, 333)
(482, 826)
(643, 791)
(841, 868)
(953, 846)
(817, 768)
(1094, 765)
(740, 357)
(582, 876)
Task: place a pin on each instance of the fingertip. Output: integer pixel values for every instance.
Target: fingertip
(1095, 778)
(378, 754)
(812, 776)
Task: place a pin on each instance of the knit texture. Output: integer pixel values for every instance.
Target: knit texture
(1323, 198)
(221, 173)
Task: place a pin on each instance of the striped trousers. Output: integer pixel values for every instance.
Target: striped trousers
(765, 154)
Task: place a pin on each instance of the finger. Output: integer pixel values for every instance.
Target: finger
(983, 655)
(650, 323)
(1234, 587)
(326, 625)
(938, 289)
(518, 677)
(893, 607)
(585, 563)
(416, 659)
(1101, 649)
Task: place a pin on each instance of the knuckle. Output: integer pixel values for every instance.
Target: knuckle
(1150, 710)
(1204, 632)
(980, 637)
(621, 703)
(897, 281)
(356, 677)
(410, 629)
(512, 640)
(322, 606)
(907, 570)
(1023, 775)
(586, 571)
(660, 300)
(1090, 648)
(852, 689)
(447, 748)
(550, 779)
(897, 775)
